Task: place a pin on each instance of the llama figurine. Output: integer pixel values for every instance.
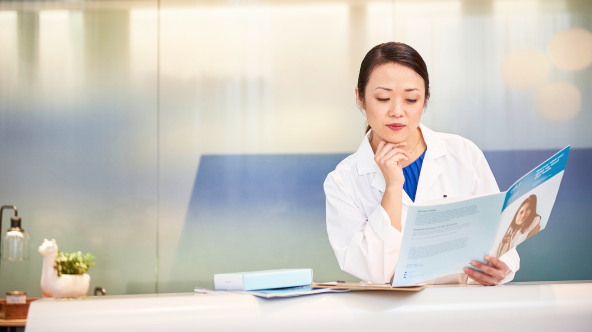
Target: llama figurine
(68, 285)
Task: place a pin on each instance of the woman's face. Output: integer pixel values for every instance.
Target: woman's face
(394, 101)
(523, 213)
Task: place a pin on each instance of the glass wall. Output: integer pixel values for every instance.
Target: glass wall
(179, 139)
(78, 139)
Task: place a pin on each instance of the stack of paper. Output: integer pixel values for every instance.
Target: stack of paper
(275, 293)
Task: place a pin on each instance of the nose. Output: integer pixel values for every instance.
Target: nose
(396, 109)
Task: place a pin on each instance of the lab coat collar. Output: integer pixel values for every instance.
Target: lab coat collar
(365, 156)
(436, 147)
(366, 164)
(430, 169)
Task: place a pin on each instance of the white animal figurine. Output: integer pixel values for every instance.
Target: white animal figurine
(68, 285)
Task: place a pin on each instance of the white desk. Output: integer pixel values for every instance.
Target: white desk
(520, 306)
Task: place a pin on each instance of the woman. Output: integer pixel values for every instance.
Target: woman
(399, 162)
(533, 224)
(526, 223)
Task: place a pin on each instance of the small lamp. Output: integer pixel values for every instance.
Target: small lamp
(16, 241)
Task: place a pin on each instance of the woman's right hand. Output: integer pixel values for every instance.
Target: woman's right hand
(388, 156)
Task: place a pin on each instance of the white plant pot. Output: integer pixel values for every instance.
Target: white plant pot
(68, 285)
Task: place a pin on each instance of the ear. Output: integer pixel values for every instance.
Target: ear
(53, 240)
(359, 100)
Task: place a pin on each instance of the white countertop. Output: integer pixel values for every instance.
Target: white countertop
(545, 306)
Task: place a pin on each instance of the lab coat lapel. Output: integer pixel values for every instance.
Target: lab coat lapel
(380, 183)
(430, 170)
(366, 163)
(406, 199)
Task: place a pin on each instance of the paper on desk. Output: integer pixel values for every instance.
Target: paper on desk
(362, 283)
(275, 293)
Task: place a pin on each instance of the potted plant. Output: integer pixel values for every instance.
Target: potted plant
(64, 274)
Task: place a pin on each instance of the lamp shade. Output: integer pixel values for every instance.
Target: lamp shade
(16, 243)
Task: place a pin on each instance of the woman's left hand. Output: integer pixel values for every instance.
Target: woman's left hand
(492, 273)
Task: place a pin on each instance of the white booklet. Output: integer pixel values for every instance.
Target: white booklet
(443, 236)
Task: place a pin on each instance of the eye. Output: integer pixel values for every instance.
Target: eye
(383, 99)
(411, 100)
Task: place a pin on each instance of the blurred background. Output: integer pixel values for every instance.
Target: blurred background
(178, 139)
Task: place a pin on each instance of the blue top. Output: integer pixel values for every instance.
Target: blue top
(411, 173)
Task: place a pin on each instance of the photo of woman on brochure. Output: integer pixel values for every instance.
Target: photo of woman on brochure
(525, 224)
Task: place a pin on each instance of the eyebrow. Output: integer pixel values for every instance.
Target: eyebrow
(389, 89)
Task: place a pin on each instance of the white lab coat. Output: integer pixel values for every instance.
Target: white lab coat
(365, 243)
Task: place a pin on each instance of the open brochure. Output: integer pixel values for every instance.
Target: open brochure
(443, 236)
(275, 293)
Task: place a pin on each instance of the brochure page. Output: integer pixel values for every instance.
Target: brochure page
(528, 204)
(440, 238)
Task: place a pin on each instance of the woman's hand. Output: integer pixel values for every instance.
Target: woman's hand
(388, 156)
(492, 273)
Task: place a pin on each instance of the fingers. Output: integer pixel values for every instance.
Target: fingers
(393, 155)
(490, 270)
(380, 146)
(492, 274)
(497, 263)
(384, 144)
(386, 151)
(480, 277)
(470, 274)
(388, 157)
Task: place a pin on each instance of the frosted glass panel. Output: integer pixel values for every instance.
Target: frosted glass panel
(257, 106)
(78, 139)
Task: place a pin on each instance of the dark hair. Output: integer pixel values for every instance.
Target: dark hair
(400, 53)
(532, 199)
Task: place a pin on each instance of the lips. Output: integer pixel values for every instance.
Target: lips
(396, 126)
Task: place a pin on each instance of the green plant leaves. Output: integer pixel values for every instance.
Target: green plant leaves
(73, 263)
